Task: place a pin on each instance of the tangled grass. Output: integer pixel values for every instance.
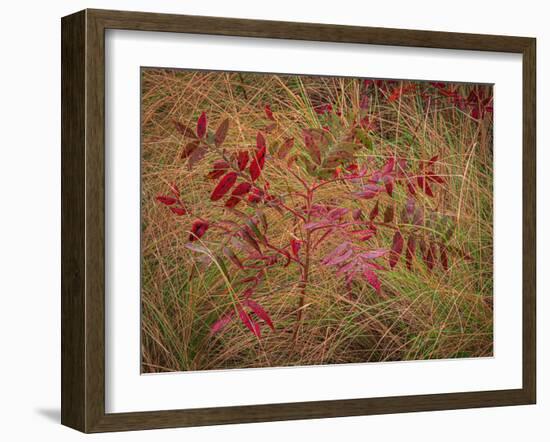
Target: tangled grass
(417, 314)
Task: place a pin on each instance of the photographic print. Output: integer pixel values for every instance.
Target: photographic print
(295, 220)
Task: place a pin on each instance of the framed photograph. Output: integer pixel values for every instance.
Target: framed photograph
(267, 221)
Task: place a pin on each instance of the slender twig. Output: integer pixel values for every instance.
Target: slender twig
(305, 269)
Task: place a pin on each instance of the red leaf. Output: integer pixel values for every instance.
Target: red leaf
(241, 189)
(366, 123)
(257, 163)
(357, 214)
(260, 141)
(364, 234)
(221, 133)
(232, 257)
(184, 130)
(396, 249)
(201, 125)
(388, 167)
(423, 184)
(223, 186)
(295, 244)
(323, 108)
(336, 213)
(388, 214)
(369, 191)
(249, 239)
(166, 200)
(372, 279)
(388, 184)
(338, 258)
(418, 218)
(285, 148)
(311, 146)
(198, 229)
(411, 247)
(402, 167)
(196, 156)
(374, 212)
(259, 311)
(443, 257)
(269, 128)
(410, 206)
(249, 323)
(178, 210)
(255, 196)
(268, 112)
(221, 323)
(435, 178)
(188, 149)
(220, 167)
(232, 201)
(373, 254)
(429, 259)
(342, 248)
(428, 189)
(422, 246)
(242, 159)
(395, 95)
(472, 97)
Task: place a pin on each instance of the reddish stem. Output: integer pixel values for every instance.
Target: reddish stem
(305, 268)
(296, 214)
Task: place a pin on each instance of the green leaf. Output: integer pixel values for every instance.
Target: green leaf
(255, 230)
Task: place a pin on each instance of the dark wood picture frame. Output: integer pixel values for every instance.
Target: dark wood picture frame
(83, 220)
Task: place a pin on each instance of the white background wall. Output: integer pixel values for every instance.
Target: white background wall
(30, 217)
